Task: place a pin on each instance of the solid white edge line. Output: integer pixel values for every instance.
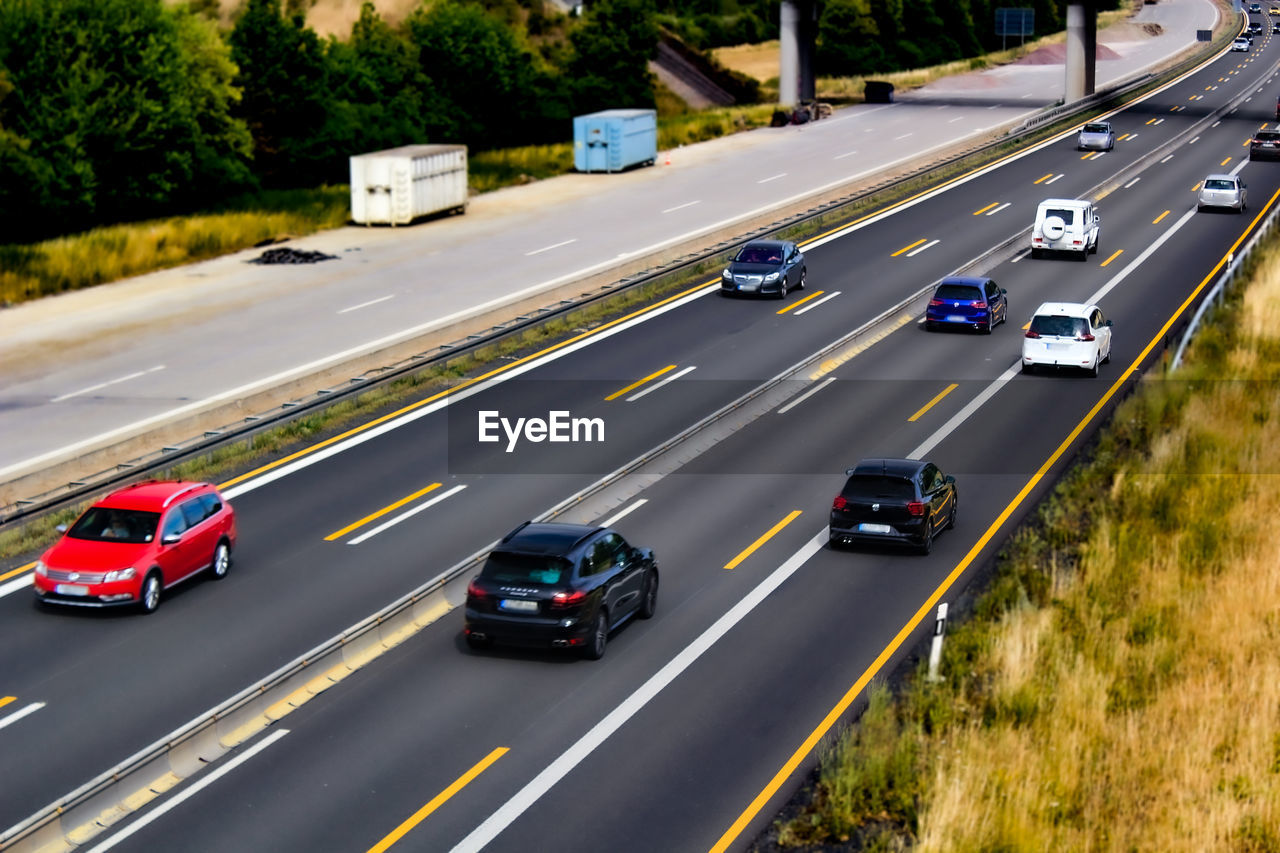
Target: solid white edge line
(18, 715)
(370, 434)
(806, 395)
(189, 792)
(654, 387)
(404, 516)
(629, 707)
(15, 585)
(832, 295)
(621, 514)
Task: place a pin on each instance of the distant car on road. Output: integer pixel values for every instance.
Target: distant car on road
(765, 267)
(1275, 28)
(1067, 334)
(907, 501)
(1255, 28)
(1096, 136)
(1223, 191)
(977, 303)
(1240, 45)
(1066, 225)
(1265, 145)
(1255, 7)
(554, 585)
(136, 542)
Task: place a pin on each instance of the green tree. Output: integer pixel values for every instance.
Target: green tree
(118, 109)
(612, 50)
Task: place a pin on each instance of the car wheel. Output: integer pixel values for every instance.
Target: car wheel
(479, 643)
(649, 603)
(1093, 371)
(927, 545)
(986, 327)
(1028, 368)
(951, 517)
(804, 273)
(150, 598)
(599, 637)
(221, 561)
(782, 289)
(1084, 256)
(1107, 358)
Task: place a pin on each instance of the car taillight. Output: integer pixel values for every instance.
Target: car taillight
(981, 305)
(934, 303)
(475, 592)
(568, 599)
(1032, 334)
(1085, 338)
(916, 508)
(839, 502)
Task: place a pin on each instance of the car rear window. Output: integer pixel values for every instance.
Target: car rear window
(1067, 327)
(759, 255)
(525, 568)
(879, 486)
(1219, 185)
(102, 524)
(1096, 128)
(1066, 214)
(958, 291)
(1266, 136)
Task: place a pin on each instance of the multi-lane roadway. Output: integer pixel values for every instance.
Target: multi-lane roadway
(689, 733)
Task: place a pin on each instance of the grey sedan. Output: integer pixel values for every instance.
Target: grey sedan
(1096, 136)
(1222, 191)
(763, 267)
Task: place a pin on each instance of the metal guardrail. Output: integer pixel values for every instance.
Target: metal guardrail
(87, 486)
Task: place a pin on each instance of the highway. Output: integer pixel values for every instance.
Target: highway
(676, 740)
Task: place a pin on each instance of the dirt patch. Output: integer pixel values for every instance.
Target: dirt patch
(760, 61)
(1056, 54)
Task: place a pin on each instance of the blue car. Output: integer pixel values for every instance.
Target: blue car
(971, 303)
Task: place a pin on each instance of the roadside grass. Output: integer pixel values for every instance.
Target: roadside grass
(1116, 684)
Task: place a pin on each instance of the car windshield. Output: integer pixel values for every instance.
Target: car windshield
(1097, 128)
(879, 486)
(958, 291)
(1066, 327)
(760, 255)
(1218, 184)
(101, 524)
(525, 568)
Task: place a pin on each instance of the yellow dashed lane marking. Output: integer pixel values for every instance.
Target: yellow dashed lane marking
(929, 405)
(634, 385)
(768, 534)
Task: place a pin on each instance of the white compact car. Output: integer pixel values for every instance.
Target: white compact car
(1067, 334)
(1223, 191)
(1065, 225)
(1241, 44)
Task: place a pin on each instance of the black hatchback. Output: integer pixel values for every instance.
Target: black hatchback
(966, 302)
(765, 268)
(894, 500)
(553, 585)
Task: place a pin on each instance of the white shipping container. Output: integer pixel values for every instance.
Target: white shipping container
(398, 185)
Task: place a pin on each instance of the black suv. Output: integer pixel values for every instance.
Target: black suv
(894, 500)
(560, 586)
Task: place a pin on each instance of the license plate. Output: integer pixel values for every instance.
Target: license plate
(874, 528)
(748, 287)
(955, 318)
(515, 605)
(1056, 347)
(71, 589)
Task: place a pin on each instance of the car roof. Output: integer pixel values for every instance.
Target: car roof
(150, 495)
(1064, 309)
(1220, 177)
(1105, 124)
(973, 281)
(546, 537)
(767, 244)
(889, 466)
(1064, 202)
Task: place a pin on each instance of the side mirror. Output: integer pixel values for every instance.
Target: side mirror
(61, 528)
(951, 480)
(171, 540)
(1003, 291)
(1108, 323)
(848, 472)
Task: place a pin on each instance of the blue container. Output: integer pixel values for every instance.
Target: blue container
(613, 140)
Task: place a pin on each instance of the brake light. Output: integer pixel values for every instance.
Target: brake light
(475, 592)
(934, 303)
(568, 599)
(916, 508)
(1031, 333)
(981, 305)
(1085, 338)
(839, 502)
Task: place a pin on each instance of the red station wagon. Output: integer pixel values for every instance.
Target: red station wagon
(136, 542)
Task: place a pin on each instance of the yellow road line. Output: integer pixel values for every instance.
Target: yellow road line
(908, 248)
(1116, 254)
(1245, 143)
(1087, 156)
(1225, 162)
(1045, 178)
(859, 347)
(1123, 138)
(386, 509)
(15, 572)
(800, 302)
(634, 385)
(1156, 221)
(927, 608)
(769, 534)
(929, 405)
(1196, 188)
(1151, 121)
(5, 700)
(439, 800)
(1026, 325)
(985, 209)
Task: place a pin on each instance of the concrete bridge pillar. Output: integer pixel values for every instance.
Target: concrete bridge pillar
(1082, 47)
(798, 29)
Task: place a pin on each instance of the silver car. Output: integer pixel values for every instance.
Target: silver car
(1241, 45)
(1096, 136)
(1222, 191)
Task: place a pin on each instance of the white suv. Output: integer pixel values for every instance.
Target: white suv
(1067, 334)
(1065, 225)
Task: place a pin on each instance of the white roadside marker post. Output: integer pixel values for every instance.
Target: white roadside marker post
(935, 651)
